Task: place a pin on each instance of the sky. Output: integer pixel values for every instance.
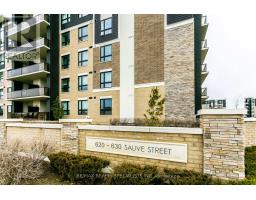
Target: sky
(231, 59)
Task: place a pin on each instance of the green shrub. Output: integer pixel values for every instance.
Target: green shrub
(78, 168)
(250, 162)
(130, 174)
(186, 177)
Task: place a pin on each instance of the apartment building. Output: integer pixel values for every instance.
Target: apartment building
(250, 105)
(104, 66)
(215, 104)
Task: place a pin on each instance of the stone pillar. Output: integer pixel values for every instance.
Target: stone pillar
(2, 134)
(224, 143)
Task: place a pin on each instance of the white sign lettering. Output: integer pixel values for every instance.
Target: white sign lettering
(140, 148)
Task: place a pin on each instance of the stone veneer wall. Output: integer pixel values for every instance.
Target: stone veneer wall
(250, 132)
(224, 144)
(179, 75)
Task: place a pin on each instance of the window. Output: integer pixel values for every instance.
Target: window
(1, 76)
(1, 61)
(65, 107)
(106, 79)
(82, 15)
(1, 93)
(65, 61)
(83, 82)
(106, 26)
(65, 38)
(106, 106)
(106, 53)
(9, 108)
(82, 107)
(1, 111)
(83, 58)
(83, 33)
(65, 85)
(65, 18)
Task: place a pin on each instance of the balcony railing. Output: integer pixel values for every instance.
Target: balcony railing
(204, 20)
(28, 47)
(35, 92)
(14, 28)
(27, 70)
(204, 91)
(204, 44)
(204, 67)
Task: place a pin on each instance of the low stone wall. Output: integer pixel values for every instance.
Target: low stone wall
(250, 132)
(190, 136)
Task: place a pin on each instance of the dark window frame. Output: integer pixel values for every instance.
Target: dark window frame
(80, 62)
(103, 109)
(104, 83)
(82, 38)
(67, 111)
(67, 19)
(65, 88)
(82, 87)
(65, 65)
(2, 61)
(105, 31)
(65, 43)
(80, 109)
(104, 57)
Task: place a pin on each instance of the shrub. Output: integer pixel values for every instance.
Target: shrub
(19, 164)
(186, 177)
(78, 168)
(130, 174)
(250, 162)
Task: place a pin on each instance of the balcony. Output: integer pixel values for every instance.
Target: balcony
(24, 52)
(29, 94)
(30, 29)
(204, 27)
(204, 94)
(28, 73)
(204, 50)
(204, 72)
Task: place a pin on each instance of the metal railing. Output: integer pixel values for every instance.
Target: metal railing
(204, 44)
(204, 67)
(204, 91)
(27, 70)
(204, 20)
(14, 28)
(28, 93)
(29, 115)
(28, 47)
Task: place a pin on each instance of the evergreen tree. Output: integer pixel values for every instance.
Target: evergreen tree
(57, 109)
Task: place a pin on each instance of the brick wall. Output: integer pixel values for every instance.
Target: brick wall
(250, 132)
(194, 142)
(179, 72)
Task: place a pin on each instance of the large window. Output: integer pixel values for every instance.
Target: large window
(1, 61)
(82, 82)
(106, 79)
(65, 85)
(65, 107)
(83, 33)
(1, 93)
(65, 38)
(106, 106)
(82, 15)
(83, 58)
(106, 53)
(82, 107)
(65, 61)
(65, 18)
(1, 111)
(106, 26)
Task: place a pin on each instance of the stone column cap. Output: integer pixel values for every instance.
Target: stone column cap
(240, 111)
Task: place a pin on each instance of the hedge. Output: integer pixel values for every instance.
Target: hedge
(78, 168)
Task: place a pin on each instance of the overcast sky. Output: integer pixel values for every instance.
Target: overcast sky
(232, 57)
